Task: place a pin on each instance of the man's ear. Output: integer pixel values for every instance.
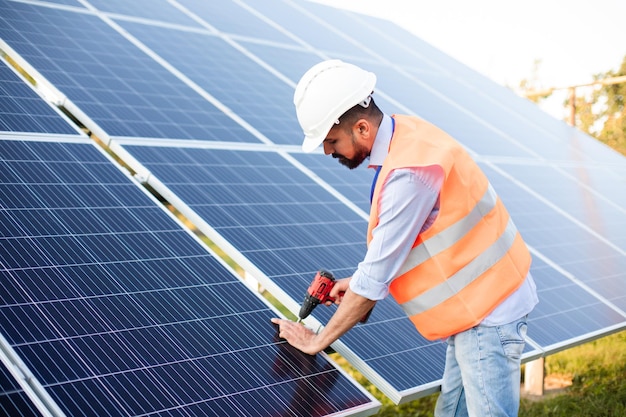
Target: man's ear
(362, 127)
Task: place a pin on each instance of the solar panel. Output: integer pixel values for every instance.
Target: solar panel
(354, 185)
(121, 88)
(266, 204)
(116, 309)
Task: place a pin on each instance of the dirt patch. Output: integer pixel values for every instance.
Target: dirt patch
(552, 385)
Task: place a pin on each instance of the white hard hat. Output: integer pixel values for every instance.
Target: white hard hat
(327, 91)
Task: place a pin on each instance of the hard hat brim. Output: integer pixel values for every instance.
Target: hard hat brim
(310, 143)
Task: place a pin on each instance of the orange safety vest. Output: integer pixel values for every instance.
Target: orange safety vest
(472, 257)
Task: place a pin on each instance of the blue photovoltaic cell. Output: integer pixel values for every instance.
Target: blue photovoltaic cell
(119, 311)
(231, 18)
(290, 62)
(576, 193)
(23, 110)
(242, 85)
(565, 310)
(307, 27)
(13, 400)
(290, 227)
(383, 38)
(121, 88)
(160, 10)
(73, 3)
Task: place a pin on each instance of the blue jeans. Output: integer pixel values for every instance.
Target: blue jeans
(482, 372)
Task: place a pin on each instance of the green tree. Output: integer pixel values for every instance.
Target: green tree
(603, 114)
(532, 86)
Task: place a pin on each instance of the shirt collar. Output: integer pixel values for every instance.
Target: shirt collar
(380, 148)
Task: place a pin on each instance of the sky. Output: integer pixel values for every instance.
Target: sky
(571, 39)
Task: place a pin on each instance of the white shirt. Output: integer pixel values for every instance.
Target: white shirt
(409, 204)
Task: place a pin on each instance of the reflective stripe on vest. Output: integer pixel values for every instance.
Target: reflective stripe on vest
(465, 276)
(448, 237)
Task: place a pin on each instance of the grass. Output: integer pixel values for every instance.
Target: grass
(597, 371)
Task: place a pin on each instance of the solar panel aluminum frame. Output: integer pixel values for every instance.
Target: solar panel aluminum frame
(37, 393)
(24, 377)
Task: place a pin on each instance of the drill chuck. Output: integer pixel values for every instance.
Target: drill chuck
(308, 305)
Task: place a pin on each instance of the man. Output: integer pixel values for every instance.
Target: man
(439, 240)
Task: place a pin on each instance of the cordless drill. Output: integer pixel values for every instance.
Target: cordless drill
(319, 293)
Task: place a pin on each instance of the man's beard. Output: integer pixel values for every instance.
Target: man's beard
(360, 155)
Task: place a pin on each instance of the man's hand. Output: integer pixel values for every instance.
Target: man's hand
(338, 290)
(352, 308)
(298, 336)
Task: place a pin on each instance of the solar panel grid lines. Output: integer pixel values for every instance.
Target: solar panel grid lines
(71, 3)
(23, 110)
(149, 10)
(232, 85)
(139, 97)
(134, 316)
(253, 110)
(535, 187)
(249, 24)
(183, 77)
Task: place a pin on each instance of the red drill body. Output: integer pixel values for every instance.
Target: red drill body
(319, 293)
